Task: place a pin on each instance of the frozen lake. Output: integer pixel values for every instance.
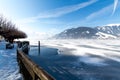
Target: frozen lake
(79, 59)
(68, 60)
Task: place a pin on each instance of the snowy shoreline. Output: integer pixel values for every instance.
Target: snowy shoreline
(9, 69)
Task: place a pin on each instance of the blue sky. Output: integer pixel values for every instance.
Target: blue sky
(47, 17)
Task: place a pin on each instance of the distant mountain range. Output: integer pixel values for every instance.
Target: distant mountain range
(101, 32)
(113, 30)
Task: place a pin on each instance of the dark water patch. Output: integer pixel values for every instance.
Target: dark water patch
(44, 51)
(69, 67)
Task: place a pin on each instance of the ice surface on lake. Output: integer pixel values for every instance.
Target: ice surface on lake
(8, 64)
(105, 54)
(81, 59)
(105, 48)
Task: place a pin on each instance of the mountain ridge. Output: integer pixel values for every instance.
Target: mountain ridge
(99, 32)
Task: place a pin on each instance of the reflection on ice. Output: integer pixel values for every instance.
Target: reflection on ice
(92, 60)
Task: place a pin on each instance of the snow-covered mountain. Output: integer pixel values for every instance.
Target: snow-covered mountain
(75, 33)
(86, 33)
(110, 29)
(101, 35)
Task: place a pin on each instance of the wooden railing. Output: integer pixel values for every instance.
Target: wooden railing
(29, 69)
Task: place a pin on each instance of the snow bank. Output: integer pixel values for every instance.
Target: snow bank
(8, 65)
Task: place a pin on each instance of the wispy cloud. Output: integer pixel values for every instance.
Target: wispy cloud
(100, 12)
(104, 10)
(58, 12)
(64, 10)
(115, 6)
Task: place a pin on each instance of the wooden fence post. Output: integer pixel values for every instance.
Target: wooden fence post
(39, 47)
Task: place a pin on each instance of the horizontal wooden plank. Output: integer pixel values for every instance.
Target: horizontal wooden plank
(33, 68)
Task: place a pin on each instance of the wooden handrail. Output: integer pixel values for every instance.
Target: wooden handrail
(36, 72)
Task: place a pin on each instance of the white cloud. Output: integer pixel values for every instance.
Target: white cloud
(104, 10)
(64, 10)
(99, 13)
(117, 24)
(35, 33)
(115, 6)
(54, 13)
(36, 36)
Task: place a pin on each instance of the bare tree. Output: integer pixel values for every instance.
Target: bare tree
(9, 31)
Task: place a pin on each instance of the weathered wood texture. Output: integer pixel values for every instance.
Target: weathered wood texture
(30, 70)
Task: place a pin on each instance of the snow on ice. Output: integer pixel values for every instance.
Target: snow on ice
(105, 48)
(82, 59)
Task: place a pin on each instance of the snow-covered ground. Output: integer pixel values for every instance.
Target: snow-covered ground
(8, 64)
(81, 59)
